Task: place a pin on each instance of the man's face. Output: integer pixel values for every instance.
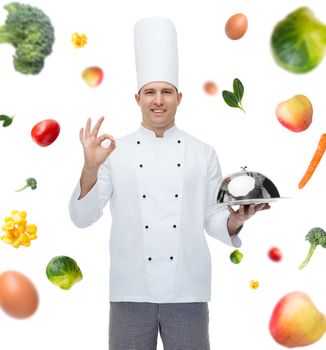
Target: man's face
(158, 102)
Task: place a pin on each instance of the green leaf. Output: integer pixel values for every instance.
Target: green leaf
(238, 89)
(7, 123)
(230, 99)
(6, 120)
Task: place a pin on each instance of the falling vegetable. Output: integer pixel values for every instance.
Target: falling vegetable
(253, 284)
(275, 254)
(79, 40)
(30, 182)
(314, 161)
(18, 232)
(45, 132)
(298, 41)
(31, 33)
(6, 120)
(316, 236)
(233, 99)
(63, 272)
(236, 256)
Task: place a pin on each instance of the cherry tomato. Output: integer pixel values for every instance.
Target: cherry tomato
(45, 132)
(275, 254)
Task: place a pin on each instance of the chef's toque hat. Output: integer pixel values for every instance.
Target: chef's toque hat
(156, 51)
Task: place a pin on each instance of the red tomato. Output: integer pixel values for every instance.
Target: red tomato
(45, 132)
(275, 254)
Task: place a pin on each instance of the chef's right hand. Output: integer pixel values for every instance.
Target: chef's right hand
(94, 153)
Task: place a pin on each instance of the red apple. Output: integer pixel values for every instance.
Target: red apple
(295, 113)
(93, 76)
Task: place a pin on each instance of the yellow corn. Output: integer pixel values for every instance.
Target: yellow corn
(79, 40)
(17, 231)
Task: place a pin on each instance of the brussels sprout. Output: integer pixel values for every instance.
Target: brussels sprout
(298, 41)
(63, 271)
(236, 256)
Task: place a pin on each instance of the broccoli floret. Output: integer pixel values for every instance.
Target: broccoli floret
(316, 236)
(30, 31)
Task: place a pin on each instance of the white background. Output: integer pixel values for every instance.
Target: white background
(239, 316)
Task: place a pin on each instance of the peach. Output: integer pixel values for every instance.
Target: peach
(93, 76)
(296, 321)
(295, 113)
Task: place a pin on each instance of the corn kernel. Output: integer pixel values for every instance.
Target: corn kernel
(10, 225)
(25, 238)
(31, 228)
(17, 218)
(21, 228)
(23, 214)
(26, 244)
(17, 243)
(6, 240)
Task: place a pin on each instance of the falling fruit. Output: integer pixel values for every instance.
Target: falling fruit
(296, 321)
(93, 76)
(210, 88)
(295, 113)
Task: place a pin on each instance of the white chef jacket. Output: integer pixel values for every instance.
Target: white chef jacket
(162, 193)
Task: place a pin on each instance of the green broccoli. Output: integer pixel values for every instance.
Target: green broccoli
(316, 236)
(30, 182)
(30, 31)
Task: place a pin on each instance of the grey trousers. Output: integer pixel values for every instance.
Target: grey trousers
(135, 326)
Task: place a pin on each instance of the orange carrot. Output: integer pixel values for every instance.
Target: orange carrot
(314, 161)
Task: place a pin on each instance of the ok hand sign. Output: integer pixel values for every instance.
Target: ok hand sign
(94, 153)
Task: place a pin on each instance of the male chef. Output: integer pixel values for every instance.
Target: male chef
(162, 186)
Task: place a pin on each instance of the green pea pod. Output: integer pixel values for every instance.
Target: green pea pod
(236, 256)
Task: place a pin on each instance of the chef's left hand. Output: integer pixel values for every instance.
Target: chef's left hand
(245, 212)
